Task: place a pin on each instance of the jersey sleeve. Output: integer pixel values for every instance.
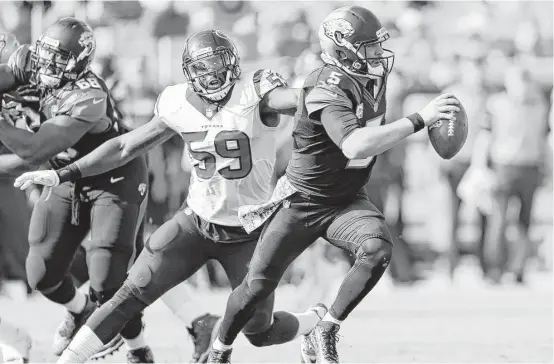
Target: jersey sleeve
(20, 64)
(85, 105)
(323, 95)
(266, 80)
(168, 103)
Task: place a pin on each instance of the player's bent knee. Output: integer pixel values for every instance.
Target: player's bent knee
(261, 288)
(375, 249)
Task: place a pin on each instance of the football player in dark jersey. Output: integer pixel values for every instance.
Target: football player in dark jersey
(339, 130)
(103, 212)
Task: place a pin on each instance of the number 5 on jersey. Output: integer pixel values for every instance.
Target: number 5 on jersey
(228, 144)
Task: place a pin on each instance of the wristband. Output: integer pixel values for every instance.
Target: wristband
(417, 120)
(69, 173)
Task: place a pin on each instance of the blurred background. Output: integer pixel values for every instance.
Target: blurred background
(496, 56)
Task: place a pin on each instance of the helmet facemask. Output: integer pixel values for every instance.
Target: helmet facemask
(212, 74)
(53, 66)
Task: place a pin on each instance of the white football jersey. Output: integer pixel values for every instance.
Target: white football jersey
(232, 154)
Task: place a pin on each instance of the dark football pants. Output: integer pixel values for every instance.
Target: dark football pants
(172, 254)
(358, 227)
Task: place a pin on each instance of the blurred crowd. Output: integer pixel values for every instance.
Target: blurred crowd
(495, 56)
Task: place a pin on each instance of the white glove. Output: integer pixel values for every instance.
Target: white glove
(48, 178)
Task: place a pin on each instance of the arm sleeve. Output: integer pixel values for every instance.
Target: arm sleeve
(266, 80)
(339, 122)
(87, 106)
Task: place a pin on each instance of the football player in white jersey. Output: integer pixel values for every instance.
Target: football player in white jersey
(228, 121)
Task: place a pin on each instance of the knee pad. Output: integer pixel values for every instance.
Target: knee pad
(260, 288)
(36, 269)
(375, 251)
(133, 327)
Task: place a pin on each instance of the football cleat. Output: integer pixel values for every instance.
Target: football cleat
(307, 350)
(324, 338)
(203, 331)
(69, 327)
(109, 349)
(140, 355)
(217, 356)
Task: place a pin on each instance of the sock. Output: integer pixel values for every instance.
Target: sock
(309, 319)
(84, 345)
(331, 319)
(137, 342)
(77, 303)
(219, 346)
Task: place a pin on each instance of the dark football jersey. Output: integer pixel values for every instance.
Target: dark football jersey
(86, 99)
(318, 166)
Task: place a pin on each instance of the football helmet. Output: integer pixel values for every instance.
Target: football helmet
(351, 37)
(211, 64)
(63, 52)
(8, 45)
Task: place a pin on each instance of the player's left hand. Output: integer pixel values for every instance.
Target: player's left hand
(48, 178)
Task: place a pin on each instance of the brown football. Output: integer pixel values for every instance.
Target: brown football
(448, 137)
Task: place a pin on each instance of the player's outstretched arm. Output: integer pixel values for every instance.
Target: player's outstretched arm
(121, 150)
(280, 100)
(110, 155)
(363, 142)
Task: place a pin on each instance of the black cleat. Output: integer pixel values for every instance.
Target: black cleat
(69, 327)
(140, 355)
(216, 356)
(324, 338)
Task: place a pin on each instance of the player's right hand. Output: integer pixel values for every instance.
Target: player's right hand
(48, 178)
(440, 108)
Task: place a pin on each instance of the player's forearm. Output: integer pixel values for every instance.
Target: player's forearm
(18, 141)
(7, 79)
(12, 165)
(374, 140)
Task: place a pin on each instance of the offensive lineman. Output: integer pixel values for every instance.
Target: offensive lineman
(103, 212)
(228, 122)
(339, 130)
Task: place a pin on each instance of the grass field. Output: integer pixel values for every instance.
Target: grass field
(432, 322)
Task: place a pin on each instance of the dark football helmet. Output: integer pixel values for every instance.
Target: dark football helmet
(211, 64)
(8, 45)
(351, 37)
(63, 52)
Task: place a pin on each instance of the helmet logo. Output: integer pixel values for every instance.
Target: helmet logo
(86, 40)
(340, 26)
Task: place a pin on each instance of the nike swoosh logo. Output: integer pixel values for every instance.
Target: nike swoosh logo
(97, 101)
(115, 180)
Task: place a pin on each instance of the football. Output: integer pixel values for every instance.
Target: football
(448, 137)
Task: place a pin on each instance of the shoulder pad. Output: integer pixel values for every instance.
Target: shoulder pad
(170, 100)
(20, 64)
(266, 80)
(334, 78)
(86, 105)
